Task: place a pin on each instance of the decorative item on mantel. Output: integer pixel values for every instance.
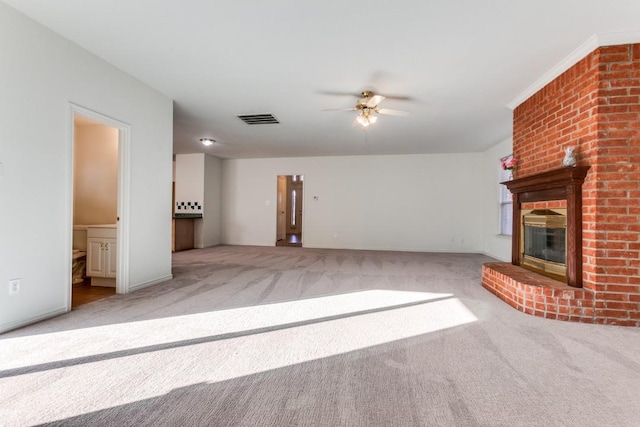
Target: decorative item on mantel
(509, 163)
(569, 160)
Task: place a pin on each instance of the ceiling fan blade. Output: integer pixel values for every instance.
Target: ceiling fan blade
(339, 109)
(338, 93)
(392, 112)
(374, 101)
(399, 97)
(360, 94)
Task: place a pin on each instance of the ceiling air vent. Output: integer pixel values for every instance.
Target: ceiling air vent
(258, 119)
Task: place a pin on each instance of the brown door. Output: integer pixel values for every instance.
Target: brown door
(289, 206)
(281, 225)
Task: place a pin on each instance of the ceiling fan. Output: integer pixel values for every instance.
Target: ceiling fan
(369, 105)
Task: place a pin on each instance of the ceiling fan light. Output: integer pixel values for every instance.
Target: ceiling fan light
(207, 141)
(365, 118)
(362, 120)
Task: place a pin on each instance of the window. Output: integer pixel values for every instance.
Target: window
(293, 208)
(506, 203)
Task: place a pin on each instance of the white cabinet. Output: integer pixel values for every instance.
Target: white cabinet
(102, 255)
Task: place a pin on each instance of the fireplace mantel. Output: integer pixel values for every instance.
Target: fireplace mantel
(557, 184)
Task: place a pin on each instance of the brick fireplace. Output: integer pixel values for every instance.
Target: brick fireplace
(595, 107)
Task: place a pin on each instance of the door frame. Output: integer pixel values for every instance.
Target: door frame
(281, 209)
(302, 204)
(124, 194)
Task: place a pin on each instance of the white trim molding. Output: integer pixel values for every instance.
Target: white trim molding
(124, 178)
(5, 327)
(594, 42)
(150, 283)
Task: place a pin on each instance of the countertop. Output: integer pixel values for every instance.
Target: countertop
(187, 216)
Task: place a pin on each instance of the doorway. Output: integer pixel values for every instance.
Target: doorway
(99, 151)
(289, 215)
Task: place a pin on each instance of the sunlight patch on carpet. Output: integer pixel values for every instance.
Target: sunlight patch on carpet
(179, 351)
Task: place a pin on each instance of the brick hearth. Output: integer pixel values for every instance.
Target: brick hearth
(595, 107)
(538, 295)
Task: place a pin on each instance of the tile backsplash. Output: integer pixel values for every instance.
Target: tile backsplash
(188, 207)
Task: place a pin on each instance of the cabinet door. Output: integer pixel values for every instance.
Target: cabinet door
(95, 258)
(111, 257)
(184, 233)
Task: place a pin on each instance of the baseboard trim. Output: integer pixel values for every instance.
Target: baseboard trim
(208, 245)
(6, 327)
(249, 244)
(495, 257)
(363, 248)
(390, 249)
(150, 283)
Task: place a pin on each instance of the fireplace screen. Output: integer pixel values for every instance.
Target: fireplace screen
(544, 242)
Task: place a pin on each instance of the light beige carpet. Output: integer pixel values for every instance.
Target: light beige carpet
(258, 336)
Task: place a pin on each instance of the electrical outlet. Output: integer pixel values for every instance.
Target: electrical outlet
(14, 286)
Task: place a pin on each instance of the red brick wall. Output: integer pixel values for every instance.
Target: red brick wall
(595, 107)
(562, 114)
(615, 241)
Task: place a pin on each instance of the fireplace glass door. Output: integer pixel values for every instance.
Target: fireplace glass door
(544, 243)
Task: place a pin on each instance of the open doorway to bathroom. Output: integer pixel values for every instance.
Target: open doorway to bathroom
(95, 210)
(289, 216)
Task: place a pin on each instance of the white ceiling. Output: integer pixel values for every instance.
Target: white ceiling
(461, 61)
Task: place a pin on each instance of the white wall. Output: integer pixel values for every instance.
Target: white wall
(95, 177)
(402, 202)
(198, 178)
(211, 222)
(494, 244)
(40, 74)
(189, 180)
